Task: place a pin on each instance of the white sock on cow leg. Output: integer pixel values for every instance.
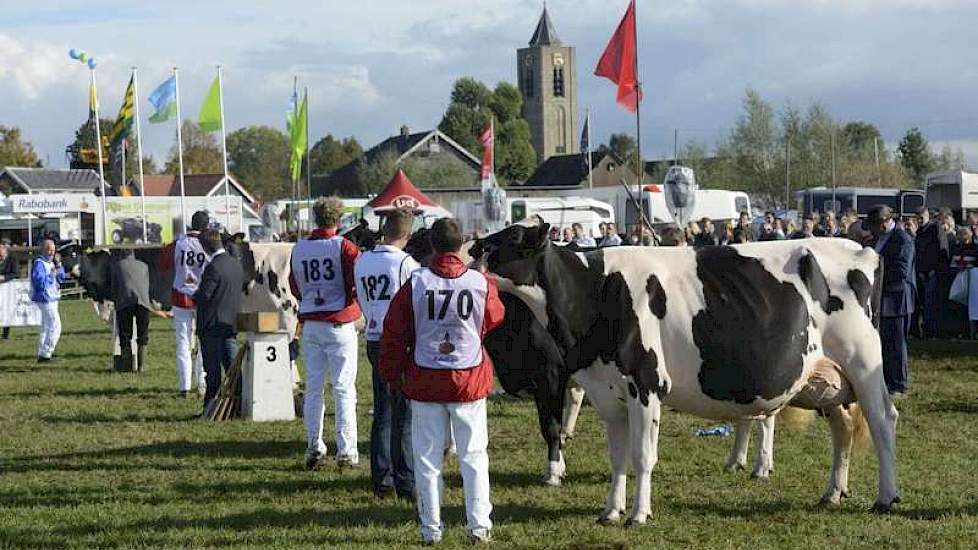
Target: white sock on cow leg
(555, 471)
(618, 450)
(738, 454)
(573, 400)
(643, 427)
(841, 424)
(765, 448)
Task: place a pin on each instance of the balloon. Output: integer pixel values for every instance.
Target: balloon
(73, 53)
(82, 56)
(91, 63)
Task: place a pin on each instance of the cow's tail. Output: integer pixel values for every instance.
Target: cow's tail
(861, 437)
(877, 298)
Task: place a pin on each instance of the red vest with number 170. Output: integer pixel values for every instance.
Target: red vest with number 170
(448, 319)
(317, 267)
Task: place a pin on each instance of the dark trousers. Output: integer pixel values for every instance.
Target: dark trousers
(893, 337)
(932, 304)
(123, 318)
(6, 333)
(391, 461)
(218, 349)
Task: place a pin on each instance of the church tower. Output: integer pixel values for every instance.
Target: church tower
(547, 77)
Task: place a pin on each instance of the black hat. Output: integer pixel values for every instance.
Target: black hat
(200, 220)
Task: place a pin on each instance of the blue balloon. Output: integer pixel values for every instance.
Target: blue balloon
(73, 53)
(91, 63)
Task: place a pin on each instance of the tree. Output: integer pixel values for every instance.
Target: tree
(950, 159)
(82, 152)
(441, 171)
(259, 157)
(471, 108)
(915, 154)
(376, 173)
(14, 151)
(859, 140)
(201, 152)
(622, 145)
(329, 154)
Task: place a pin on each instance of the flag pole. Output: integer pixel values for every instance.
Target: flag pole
(183, 194)
(139, 152)
(295, 179)
(305, 96)
(224, 152)
(590, 167)
(98, 149)
(638, 104)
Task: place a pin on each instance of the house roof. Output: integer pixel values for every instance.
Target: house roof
(564, 170)
(545, 34)
(344, 180)
(195, 185)
(36, 180)
(400, 193)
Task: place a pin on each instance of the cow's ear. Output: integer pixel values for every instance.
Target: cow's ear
(543, 233)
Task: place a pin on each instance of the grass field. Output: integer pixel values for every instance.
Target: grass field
(93, 458)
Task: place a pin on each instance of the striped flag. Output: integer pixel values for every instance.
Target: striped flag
(122, 128)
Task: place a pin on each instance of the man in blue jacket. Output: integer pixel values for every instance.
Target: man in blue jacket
(46, 278)
(899, 291)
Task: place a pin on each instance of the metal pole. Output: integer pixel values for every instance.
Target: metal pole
(832, 145)
(675, 146)
(590, 166)
(296, 194)
(305, 93)
(640, 172)
(139, 153)
(101, 169)
(787, 173)
(879, 170)
(183, 191)
(224, 152)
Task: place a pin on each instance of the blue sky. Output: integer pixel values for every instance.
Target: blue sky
(373, 65)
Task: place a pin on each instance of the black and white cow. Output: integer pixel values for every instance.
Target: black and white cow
(721, 332)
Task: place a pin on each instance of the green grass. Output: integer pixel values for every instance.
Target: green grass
(93, 458)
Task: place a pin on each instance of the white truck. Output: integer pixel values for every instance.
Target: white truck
(559, 212)
(954, 189)
(712, 203)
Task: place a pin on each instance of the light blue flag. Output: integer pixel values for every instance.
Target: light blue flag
(164, 100)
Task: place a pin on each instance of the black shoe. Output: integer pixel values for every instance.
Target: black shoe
(184, 395)
(314, 460)
(384, 492)
(41, 359)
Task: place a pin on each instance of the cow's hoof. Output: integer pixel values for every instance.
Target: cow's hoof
(847, 494)
(552, 481)
(610, 518)
(762, 475)
(636, 521)
(733, 467)
(830, 503)
(885, 508)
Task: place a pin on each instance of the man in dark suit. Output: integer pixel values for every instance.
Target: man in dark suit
(218, 300)
(899, 289)
(8, 272)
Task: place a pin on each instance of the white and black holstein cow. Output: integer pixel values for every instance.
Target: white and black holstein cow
(721, 332)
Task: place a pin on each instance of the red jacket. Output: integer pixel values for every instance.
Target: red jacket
(165, 264)
(397, 365)
(348, 256)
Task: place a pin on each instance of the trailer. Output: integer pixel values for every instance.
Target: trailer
(905, 202)
(955, 189)
(716, 204)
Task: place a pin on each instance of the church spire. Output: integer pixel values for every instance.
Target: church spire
(545, 34)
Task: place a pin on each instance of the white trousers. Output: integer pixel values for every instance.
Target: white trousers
(183, 327)
(430, 424)
(331, 350)
(50, 329)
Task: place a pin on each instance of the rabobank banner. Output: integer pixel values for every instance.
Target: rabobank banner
(54, 203)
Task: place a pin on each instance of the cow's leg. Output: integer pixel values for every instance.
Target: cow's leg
(618, 449)
(643, 428)
(865, 372)
(841, 423)
(764, 464)
(738, 454)
(573, 399)
(548, 412)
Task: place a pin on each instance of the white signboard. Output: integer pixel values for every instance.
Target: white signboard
(16, 307)
(45, 203)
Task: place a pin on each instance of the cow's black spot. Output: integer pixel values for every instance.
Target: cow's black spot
(752, 334)
(811, 274)
(619, 334)
(657, 296)
(273, 283)
(632, 390)
(860, 284)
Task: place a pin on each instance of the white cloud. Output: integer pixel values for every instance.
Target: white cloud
(32, 68)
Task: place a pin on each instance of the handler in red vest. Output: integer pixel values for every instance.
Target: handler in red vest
(431, 350)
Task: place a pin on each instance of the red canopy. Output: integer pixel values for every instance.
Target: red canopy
(652, 188)
(400, 193)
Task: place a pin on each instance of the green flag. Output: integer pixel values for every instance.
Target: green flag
(210, 119)
(298, 126)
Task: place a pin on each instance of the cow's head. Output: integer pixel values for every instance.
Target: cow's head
(509, 251)
(361, 235)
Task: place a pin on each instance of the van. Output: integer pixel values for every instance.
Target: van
(954, 189)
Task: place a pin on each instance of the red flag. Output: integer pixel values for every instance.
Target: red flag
(617, 63)
(486, 139)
